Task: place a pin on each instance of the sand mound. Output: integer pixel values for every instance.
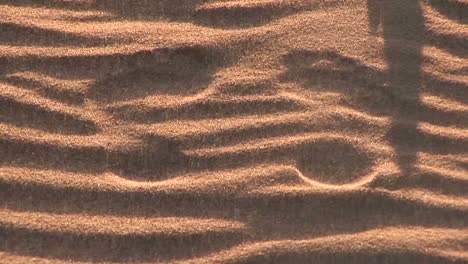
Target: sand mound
(244, 131)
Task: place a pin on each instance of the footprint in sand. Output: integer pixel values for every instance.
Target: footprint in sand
(333, 163)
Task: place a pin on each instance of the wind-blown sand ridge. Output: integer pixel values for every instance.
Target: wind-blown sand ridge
(244, 131)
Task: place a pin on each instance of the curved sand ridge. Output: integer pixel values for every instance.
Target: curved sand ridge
(245, 131)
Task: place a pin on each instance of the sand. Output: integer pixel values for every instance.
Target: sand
(242, 131)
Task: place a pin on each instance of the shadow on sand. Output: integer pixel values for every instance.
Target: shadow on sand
(403, 30)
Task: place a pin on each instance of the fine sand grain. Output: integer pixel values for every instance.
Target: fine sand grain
(234, 131)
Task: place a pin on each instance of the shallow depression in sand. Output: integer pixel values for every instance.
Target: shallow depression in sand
(335, 162)
(233, 131)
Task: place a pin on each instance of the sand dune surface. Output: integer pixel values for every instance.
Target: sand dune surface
(234, 131)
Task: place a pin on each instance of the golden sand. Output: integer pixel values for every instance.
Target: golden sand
(234, 131)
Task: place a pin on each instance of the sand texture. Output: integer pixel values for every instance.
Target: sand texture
(233, 131)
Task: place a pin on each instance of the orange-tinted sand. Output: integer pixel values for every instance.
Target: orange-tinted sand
(234, 131)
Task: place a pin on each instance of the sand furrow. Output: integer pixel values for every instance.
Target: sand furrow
(370, 246)
(56, 236)
(240, 131)
(210, 109)
(68, 91)
(236, 197)
(25, 108)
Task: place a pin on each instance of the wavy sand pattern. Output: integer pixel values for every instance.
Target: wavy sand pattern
(234, 131)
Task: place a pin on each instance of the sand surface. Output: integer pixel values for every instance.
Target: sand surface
(234, 131)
